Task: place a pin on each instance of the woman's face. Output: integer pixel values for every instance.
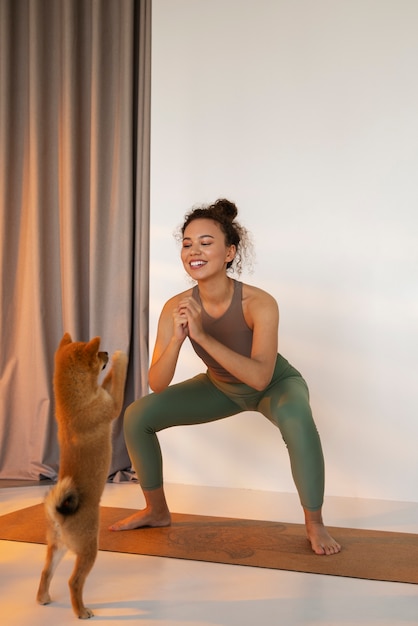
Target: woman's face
(204, 252)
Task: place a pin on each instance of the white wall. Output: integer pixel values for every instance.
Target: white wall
(305, 113)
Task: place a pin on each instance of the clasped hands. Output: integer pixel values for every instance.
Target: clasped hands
(188, 319)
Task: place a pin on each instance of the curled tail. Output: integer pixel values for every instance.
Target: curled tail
(63, 498)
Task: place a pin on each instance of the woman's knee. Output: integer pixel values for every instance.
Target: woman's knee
(136, 418)
(296, 422)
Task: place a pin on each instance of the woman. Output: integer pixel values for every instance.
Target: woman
(233, 327)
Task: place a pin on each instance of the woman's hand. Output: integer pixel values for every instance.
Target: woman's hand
(189, 314)
(180, 324)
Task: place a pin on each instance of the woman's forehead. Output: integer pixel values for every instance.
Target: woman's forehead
(201, 227)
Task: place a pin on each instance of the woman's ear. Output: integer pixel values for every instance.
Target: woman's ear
(231, 253)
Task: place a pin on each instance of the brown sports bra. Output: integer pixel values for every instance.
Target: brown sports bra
(230, 329)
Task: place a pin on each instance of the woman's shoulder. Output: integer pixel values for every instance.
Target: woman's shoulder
(250, 292)
(258, 305)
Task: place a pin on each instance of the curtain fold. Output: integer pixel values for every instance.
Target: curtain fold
(74, 207)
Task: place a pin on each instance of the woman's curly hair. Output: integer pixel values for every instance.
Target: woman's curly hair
(224, 213)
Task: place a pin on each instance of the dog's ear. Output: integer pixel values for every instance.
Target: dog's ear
(93, 345)
(65, 340)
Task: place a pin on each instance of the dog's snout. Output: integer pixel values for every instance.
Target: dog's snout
(104, 356)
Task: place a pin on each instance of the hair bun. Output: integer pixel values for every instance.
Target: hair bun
(225, 208)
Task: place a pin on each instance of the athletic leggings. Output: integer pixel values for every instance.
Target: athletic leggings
(202, 399)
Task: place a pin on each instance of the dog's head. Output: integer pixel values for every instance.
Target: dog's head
(78, 358)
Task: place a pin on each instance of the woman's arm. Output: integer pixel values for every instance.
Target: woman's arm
(171, 333)
(262, 316)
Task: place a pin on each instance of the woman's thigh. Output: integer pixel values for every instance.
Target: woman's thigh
(195, 401)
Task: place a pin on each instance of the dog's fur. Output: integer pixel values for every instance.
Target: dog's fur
(84, 412)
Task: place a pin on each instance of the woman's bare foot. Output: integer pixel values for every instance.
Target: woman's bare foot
(321, 541)
(155, 514)
(141, 519)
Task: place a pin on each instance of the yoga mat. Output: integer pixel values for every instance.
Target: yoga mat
(369, 554)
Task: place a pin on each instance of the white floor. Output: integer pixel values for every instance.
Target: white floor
(154, 591)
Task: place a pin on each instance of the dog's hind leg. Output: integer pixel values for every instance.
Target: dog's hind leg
(54, 554)
(84, 563)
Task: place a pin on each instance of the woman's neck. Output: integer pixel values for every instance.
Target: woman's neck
(216, 295)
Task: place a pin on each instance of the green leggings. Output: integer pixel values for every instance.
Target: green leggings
(285, 402)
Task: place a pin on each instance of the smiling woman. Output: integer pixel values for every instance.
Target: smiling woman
(233, 327)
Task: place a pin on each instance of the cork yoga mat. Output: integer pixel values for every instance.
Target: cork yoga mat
(368, 554)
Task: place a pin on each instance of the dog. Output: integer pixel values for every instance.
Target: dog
(84, 413)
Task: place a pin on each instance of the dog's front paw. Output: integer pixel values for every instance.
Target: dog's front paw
(114, 383)
(120, 357)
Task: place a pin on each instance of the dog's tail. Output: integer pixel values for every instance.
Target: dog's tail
(63, 498)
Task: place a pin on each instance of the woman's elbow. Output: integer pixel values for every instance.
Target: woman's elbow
(260, 386)
(156, 387)
(155, 383)
(262, 380)
(261, 383)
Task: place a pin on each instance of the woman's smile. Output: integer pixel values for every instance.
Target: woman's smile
(196, 264)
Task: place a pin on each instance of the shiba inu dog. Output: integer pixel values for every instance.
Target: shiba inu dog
(84, 413)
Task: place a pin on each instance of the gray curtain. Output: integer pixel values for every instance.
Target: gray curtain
(74, 203)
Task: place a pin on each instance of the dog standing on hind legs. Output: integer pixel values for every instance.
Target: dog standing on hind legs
(84, 412)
